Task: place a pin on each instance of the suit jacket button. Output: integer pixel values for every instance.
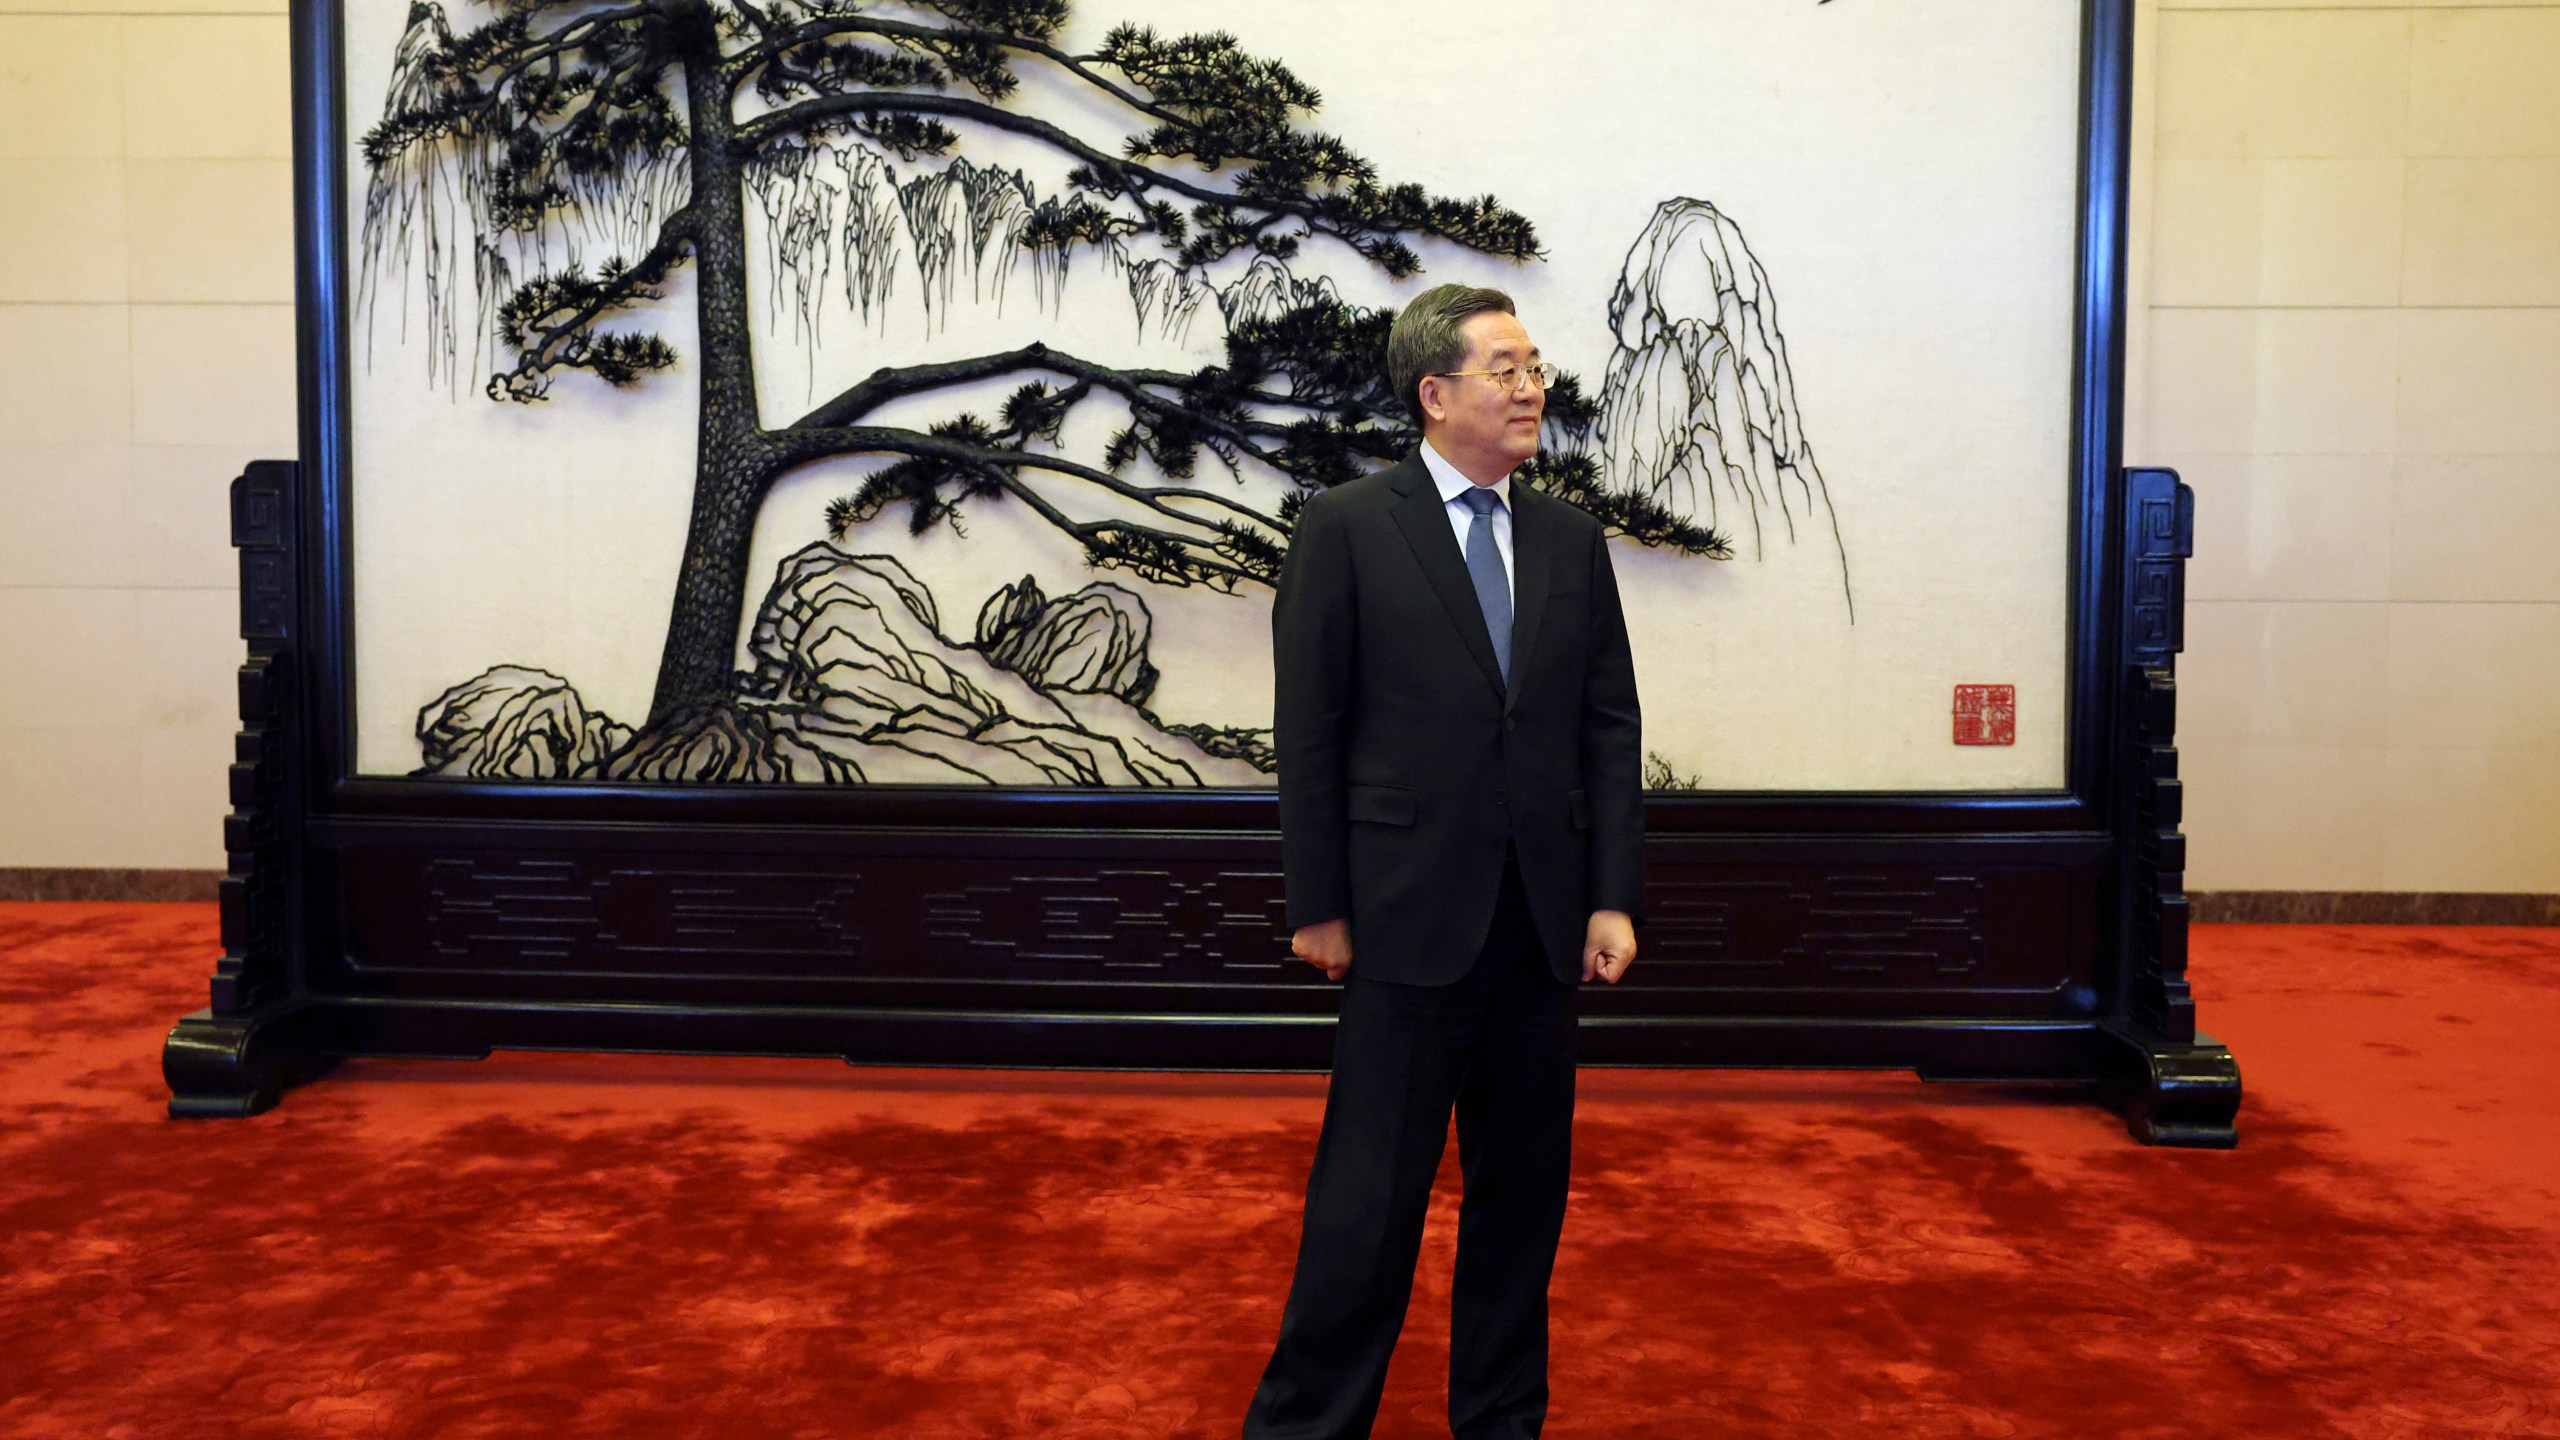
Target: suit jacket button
(1501, 797)
(1510, 722)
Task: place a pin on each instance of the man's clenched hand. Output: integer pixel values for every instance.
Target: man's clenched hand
(1608, 945)
(1327, 947)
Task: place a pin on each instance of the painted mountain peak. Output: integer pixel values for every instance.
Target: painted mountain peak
(1699, 411)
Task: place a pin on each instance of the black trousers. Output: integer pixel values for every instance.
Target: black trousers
(1497, 1046)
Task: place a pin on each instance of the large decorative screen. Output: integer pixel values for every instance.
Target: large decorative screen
(860, 393)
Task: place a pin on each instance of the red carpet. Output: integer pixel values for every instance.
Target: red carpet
(567, 1246)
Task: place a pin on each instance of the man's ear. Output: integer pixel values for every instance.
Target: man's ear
(1435, 405)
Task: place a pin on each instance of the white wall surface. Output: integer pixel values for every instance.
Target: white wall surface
(146, 353)
(2347, 336)
(2347, 291)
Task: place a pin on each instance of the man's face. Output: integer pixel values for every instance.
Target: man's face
(1483, 429)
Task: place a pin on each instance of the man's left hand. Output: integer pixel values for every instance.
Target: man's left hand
(1608, 945)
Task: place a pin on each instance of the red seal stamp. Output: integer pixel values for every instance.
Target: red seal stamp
(1986, 714)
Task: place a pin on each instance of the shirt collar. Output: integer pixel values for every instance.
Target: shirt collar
(1453, 482)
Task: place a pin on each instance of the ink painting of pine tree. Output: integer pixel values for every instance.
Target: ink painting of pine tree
(544, 170)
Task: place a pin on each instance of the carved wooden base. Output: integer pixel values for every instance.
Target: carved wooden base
(2173, 1092)
(223, 1067)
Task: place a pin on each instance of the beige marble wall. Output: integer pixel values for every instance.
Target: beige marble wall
(146, 340)
(2347, 298)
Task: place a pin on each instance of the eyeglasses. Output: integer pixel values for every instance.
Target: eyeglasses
(1511, 377)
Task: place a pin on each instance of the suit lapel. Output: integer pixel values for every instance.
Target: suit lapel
(1532, 556)
(1425, 523)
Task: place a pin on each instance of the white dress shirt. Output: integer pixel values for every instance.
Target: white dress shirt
(1454, 486)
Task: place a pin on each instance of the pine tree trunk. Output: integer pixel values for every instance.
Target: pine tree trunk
(734, 462)
(710, 600)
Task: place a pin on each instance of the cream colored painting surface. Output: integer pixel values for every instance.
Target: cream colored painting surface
(1900, 172)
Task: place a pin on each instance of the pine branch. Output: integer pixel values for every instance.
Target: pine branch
(810, 62)
(1574, 476)
(543, 119)
(826, 113)
(457, 68)
(747, 63)
(1216, 410)
(972, 443)
(1363, 216)
(1229, 558)
(550, 321)
(965, 459)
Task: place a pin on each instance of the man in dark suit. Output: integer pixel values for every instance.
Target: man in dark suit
(1462, 825)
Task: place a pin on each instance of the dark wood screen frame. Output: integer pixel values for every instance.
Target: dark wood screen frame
(2008, 935)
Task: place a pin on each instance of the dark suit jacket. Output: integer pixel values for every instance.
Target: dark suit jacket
(1406, 765)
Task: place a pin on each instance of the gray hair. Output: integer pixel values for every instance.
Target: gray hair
(1425, 338)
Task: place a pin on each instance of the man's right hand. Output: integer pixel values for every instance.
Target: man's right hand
(1327, 947)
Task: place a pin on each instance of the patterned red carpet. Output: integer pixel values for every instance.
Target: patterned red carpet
(562, 1246)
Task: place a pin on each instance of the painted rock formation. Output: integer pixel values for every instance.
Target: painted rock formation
(854, 682)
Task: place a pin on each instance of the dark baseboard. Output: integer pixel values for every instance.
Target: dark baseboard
(50, 883)
(2369, 907)
(2208, 907)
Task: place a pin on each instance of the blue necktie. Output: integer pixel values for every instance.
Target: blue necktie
(1484, 567)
